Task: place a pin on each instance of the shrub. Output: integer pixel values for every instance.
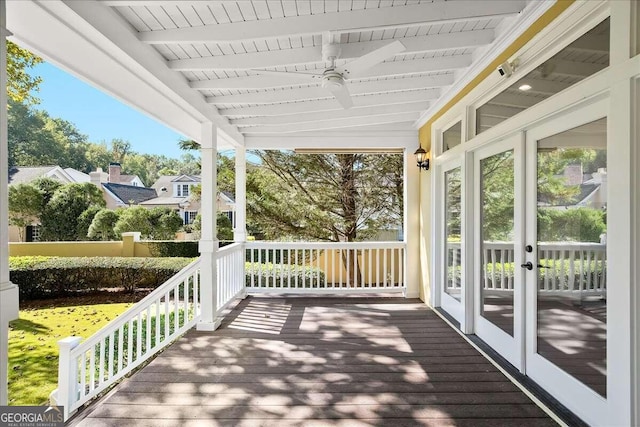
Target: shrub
(43, 277)
(578, 225)
(557, 273)
(185, 249)
(277, 275)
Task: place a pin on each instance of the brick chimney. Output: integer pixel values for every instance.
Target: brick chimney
(114, 172)
(98, 177)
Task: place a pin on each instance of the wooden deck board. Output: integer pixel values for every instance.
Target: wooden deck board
(319, 362)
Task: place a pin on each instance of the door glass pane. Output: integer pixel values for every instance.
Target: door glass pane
(453, 250)
(496, 254)
(452, 137)
(572, 236)
(585, 56)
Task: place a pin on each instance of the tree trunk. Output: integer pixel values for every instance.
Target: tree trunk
(350, 261)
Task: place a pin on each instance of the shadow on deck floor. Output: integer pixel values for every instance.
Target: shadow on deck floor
(317, 361)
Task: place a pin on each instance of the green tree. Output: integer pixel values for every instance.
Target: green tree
(329, 197)
(102, 226)
(48, 187)
(165, 223)
(135, 218)
(20, 83)
(84, 222)
(61, 214)
(25, 205)
(223, 223)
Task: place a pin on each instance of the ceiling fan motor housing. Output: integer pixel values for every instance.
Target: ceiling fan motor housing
(332, 79)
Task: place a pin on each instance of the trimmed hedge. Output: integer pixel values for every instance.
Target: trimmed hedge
(45, 277)
(170, 248)
(277, 275)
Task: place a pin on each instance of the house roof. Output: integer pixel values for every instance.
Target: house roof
(77, 175)
(26, 174)
(165, 201)
(130, 193)
(167, 181)
(228, 196)
(128, 178)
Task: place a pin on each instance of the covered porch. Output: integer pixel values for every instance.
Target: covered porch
(292, 360)
(445, 76)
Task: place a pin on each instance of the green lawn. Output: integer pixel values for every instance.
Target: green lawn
(33, 349)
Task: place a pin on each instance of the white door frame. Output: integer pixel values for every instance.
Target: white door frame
(510, 347)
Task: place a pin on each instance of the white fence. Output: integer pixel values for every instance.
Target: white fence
(566, 267)
(89, 368)
(325, 267)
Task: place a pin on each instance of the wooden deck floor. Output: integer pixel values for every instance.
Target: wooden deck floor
(319, 362)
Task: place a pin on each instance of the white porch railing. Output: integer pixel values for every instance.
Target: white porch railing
(305, 267)
(230, 269)
(568, 267)
(89, 368)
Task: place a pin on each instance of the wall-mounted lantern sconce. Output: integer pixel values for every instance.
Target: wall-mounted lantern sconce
(423, 158)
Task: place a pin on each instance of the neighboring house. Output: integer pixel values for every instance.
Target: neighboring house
(175, 191)
(592, 194)
(120, 190)
(27, 174)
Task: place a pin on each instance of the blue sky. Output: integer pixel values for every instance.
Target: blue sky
(100, 116)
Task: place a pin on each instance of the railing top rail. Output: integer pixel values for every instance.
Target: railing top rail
(133, 311)
(230, 248)
(541, 245)
(324, 245)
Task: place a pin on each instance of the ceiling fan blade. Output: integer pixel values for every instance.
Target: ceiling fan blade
(342, 95)
(292, 74)
(359, 65)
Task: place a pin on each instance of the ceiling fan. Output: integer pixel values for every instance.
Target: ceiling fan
(334, 77)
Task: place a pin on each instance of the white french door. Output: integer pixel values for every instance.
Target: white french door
(498, 231)
(566, 274)
(536, 287)
(452, 291)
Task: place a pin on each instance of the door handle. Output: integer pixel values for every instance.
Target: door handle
(528, 266)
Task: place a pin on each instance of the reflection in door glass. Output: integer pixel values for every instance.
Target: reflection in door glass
(496, 252)
(453, 250)
(572, 236)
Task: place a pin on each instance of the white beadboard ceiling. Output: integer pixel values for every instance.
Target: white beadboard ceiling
(207, 56)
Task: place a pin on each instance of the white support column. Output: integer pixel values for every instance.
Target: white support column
(240, 228)
(8, 291)
(412, 223)
(209, 320)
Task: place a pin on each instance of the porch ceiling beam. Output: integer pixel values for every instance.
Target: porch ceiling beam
(331, 115)
(320, 93)
(339, 22)
(333, 124)
(311, 55)
(547, 87)
(499, 111)
(395, 68)
(512, 100)
(591, 43)
(575, 69)
(331, 105)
